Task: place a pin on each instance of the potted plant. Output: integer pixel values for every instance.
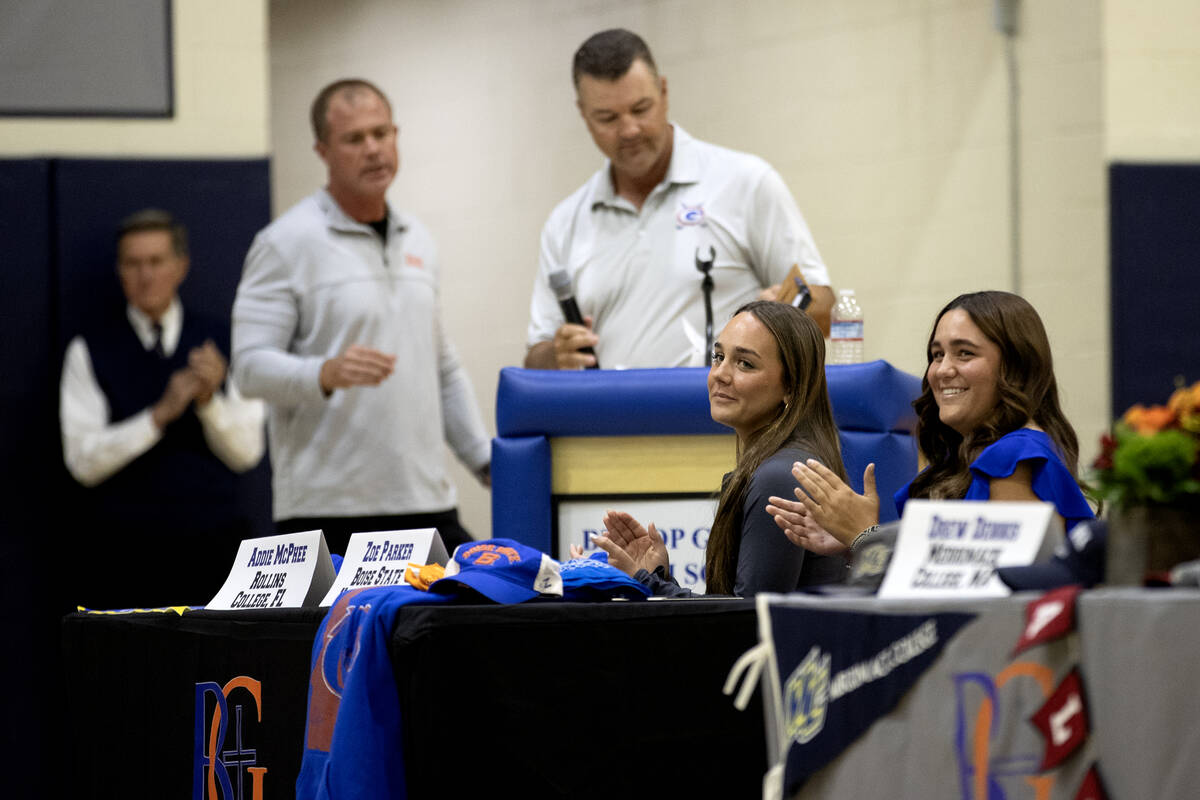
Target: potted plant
(1148, 473)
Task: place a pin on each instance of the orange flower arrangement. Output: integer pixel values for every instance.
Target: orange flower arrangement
(1152, 456)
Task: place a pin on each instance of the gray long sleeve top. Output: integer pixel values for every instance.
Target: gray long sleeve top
(767, 561)
(315, 282)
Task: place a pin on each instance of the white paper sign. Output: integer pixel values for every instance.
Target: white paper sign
(951, 548)
(684, 524)
(291, 570)
(379, 558)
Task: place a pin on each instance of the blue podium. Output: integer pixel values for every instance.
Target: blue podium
(647, 433)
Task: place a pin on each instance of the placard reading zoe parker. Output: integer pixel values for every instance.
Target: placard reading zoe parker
(287, 571)
(951, 548)
(379, 558)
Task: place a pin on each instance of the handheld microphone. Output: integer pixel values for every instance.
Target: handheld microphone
(560, 283)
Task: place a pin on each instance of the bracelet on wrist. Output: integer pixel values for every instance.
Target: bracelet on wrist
(861, 536)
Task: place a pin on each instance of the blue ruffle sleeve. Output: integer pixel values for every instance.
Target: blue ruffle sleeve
(1052, 481)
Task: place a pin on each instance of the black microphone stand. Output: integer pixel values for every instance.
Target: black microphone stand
(707, 284)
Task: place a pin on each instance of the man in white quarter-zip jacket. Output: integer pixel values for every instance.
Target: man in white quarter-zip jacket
(337, 326)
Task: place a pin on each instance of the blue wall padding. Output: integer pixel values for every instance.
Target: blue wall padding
(521, 490)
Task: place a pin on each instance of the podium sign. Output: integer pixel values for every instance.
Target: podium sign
(291, 570)
(684, 524)
(951, 548)
(380, 558)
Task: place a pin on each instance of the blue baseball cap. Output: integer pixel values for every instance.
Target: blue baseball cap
(503, 570)
(593, 578)
(1079, 559)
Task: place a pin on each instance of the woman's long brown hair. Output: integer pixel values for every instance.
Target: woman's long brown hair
(804, 420)
(1026, 387)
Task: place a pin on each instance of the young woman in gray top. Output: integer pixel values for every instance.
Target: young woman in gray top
(767, 382)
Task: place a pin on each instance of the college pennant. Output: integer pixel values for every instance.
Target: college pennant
(1091, 788)
(841, 670)
(1062, 721)
(1049, 617)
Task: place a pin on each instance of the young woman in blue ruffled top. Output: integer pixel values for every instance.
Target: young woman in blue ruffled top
(989, 427)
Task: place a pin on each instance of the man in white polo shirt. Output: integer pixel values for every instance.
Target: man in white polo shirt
(629, 238)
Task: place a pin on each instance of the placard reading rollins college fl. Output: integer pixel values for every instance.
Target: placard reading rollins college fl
(951, 548)
(292, 570)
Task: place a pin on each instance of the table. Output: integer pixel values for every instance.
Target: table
(553, 699)
(142, 693)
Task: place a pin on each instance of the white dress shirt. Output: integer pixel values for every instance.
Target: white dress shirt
(94, 448)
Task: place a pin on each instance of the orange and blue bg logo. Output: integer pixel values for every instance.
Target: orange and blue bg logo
(979, 726)
(224, 764)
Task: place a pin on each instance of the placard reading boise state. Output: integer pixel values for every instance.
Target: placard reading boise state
(379, 558)
(951, 548)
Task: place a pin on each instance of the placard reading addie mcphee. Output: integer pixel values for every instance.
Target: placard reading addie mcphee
(292, 570)
(951, 548)
(379, 558)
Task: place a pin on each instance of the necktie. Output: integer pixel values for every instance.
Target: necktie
(158, 343)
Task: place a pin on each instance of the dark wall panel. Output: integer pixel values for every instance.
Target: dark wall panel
(29, 460)
(222, 203)
(1155, 237)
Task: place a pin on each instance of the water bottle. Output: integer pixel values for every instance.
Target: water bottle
(846, 330)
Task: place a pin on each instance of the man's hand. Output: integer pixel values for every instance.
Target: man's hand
(562, 352)
(358, 366)
(630, 546)
(771, 292)
(182, 389)
(208, 365)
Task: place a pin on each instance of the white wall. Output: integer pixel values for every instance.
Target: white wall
(220, 66)
(887, 118)
(1152, 80)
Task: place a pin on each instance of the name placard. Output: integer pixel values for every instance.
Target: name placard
(292, 570)
(379, 558)
(951, 548)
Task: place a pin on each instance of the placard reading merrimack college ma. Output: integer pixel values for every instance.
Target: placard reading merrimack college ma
(292, 570)
(379, 558)
(951, 548)
(683, 523)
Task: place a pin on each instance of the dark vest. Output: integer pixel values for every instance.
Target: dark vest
(178, 484)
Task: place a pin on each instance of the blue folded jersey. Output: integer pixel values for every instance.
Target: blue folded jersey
(593, 579)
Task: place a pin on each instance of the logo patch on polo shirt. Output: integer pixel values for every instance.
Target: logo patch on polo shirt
(689, 215)
(414, 261)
